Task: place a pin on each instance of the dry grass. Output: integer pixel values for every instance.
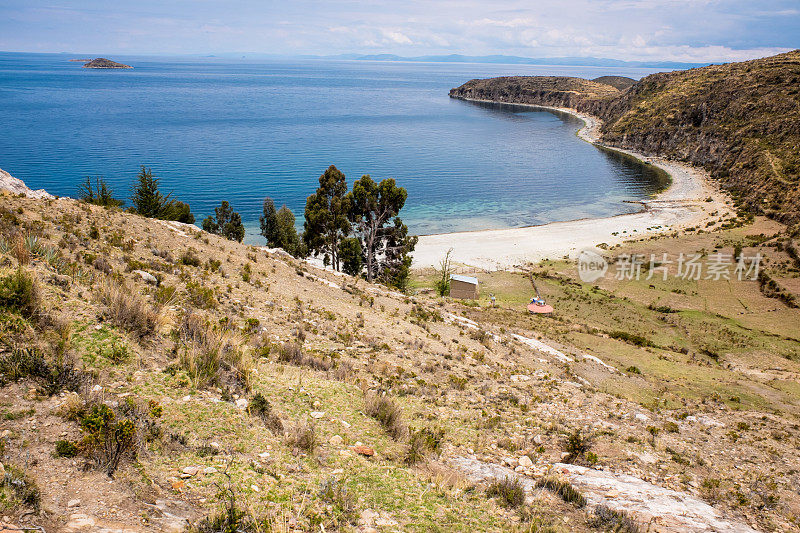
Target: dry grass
(127, 309)
(213, 354)
(388, 413)
(302, 437)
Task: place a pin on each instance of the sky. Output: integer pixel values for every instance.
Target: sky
(637, 30)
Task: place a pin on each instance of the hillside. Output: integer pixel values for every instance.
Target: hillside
(618, 82)
(741, 121)
(154, 375)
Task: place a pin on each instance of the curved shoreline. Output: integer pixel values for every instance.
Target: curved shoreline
(682, 204)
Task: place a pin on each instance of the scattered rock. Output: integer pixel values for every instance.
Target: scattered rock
(209, 470)
(147, 277)
(78, 521)
(364, 450)
(336, 440)
(241, 403)
(73, 503)
(189, 471)
(525, 461)
(317, 414)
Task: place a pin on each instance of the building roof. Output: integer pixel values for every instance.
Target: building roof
(465, 279)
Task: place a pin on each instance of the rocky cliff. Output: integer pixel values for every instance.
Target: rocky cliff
(740, 121)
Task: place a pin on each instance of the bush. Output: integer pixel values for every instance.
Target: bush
(303, 437)
(30, 363)
(421, 442)
(107, 439)
(260, 407)
(334, 492)
(611, 520)
(577, 444)
(200, 296)
(509, 491)
(208, 353)
(19, 292)
(388, 413)
(631, 338)
(292, 353)
(126, 309)
(65, 448)
(189, 258)
(563, 489)
(16, 489)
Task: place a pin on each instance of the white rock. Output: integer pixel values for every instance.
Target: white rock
(146, 276)
(525, 461)
(641, 417)
(255, 488)
(73, 503)
(241, 403)
(97, 388)
(209, 470)
(317, 414)
(190, 470)
(336, 440)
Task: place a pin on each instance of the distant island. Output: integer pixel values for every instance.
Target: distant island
(102, 62)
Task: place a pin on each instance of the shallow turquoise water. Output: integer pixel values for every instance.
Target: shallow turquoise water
(241, 130)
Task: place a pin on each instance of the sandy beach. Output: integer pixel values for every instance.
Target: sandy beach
(681, 205)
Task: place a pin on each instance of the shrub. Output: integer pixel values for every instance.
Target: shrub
(189, 258)
(98, 193)
(631, 338)
(16, 489)
(611, 520)
(208, 352)
(334, 492)
(303, 437)
(388, 413)
(107, 439)
(200, 296)
(563, 489)
(30, 363)
(577, 444)
(509, 491)
(65, 448)
(127, 309)
(421, 442)
(260, 407)
(20, 293)
(292, 352)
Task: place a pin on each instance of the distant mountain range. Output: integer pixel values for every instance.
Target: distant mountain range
(515, 60)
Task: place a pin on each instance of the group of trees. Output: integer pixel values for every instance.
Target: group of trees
(355, 232)
(358, 232)
(147, 200)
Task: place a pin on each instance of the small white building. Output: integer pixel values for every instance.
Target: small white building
(463, 287)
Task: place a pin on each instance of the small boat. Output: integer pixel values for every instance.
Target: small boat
(538, 305)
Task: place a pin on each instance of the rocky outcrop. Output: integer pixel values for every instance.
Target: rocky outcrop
(556, 91)
(102, 62)
(16, 186)
(653, 508)
(740, 121)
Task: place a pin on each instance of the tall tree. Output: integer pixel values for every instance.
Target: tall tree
(147, 200)
(326, 216)
(372, 207)
(228, 223)
(269, 224)
(395, 267)
(278, 227)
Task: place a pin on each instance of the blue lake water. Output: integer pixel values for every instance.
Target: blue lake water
(239, 130)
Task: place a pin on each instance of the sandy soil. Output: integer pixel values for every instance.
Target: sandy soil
(681, 205)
